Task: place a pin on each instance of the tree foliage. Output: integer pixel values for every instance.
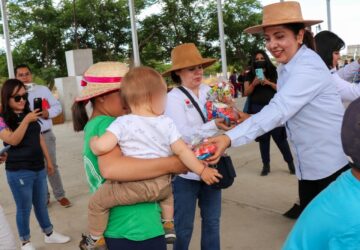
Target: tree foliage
(42, 30)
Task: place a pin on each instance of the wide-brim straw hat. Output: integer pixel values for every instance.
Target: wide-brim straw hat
(101, 78)
(281, 13)
(187, 55)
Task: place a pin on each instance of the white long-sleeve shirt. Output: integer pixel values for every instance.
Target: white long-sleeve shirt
(347, 90)
(55, 106)
(187, 119)
(308, 103)
(349, 72)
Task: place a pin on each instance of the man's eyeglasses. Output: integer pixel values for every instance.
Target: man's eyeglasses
(17, 98)
(24, 75)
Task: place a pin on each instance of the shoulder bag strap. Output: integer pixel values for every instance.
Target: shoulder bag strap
(194, 103)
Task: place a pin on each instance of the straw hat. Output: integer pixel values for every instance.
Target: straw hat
(281, 13)
(101, 78)
(187, 55)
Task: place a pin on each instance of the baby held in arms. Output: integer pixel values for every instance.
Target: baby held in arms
(144, 133)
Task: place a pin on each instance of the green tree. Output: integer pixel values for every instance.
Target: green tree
(38, 37)
(197, 22)
(41, 31)
(237, 15)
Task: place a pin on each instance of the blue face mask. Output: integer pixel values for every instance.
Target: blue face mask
(260, 64)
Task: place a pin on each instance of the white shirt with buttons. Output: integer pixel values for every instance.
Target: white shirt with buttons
(187, 119)
(308, 103)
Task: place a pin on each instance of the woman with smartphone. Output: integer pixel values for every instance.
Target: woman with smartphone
(25, 169)
(260, 87)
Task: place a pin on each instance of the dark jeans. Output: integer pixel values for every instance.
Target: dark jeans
(186, 194)
(308, 190)
(157, 243)
(279, 136)
(29, 188)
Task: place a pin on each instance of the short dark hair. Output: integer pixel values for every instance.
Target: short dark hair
(328, 42)
(308, 39)
(21, 66)
(176, 78)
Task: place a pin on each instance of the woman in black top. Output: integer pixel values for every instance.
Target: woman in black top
(25, 168)
(260, 87)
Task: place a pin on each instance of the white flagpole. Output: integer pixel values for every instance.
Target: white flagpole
(222, 39)
(328, 14)
(9, 59)
(134, 34)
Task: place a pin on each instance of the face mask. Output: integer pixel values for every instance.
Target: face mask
(260, 64)
(29, 86)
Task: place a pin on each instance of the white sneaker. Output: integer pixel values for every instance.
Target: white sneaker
(28, 246)
(56, 238)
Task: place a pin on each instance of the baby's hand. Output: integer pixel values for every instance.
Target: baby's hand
(210, 175)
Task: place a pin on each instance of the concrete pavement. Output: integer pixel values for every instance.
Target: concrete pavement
(251, 209)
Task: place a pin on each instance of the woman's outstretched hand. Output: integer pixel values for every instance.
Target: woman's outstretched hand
(222, 142)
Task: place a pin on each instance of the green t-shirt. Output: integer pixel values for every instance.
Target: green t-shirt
(134, 222)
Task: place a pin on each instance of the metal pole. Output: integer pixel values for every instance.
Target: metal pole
(222, 39)
(134, 34)
(328, 14)
(9, 59)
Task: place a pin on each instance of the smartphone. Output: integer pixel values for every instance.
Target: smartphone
(260, 74)
(38, 103)
(4, 149)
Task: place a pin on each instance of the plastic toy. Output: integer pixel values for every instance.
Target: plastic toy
(203, 149)
(220, 103)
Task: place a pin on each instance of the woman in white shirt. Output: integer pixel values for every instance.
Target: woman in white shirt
(306, 102)
(328, 46)
(187, 70)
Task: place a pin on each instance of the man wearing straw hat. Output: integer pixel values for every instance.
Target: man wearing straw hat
(307, 102)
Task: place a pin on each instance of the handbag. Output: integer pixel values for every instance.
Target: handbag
(226, 168)
(225, 165)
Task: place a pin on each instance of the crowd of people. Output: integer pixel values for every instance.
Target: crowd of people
(145, 181)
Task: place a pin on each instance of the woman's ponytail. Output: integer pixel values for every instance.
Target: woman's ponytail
(308, 39)
(79, 116)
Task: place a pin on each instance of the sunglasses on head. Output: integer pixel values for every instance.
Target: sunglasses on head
(17, 98)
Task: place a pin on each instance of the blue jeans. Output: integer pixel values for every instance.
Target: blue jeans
(29, 188)
(186, 193)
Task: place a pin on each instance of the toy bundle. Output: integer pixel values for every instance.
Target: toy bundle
(220, 103)
(202, 148)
